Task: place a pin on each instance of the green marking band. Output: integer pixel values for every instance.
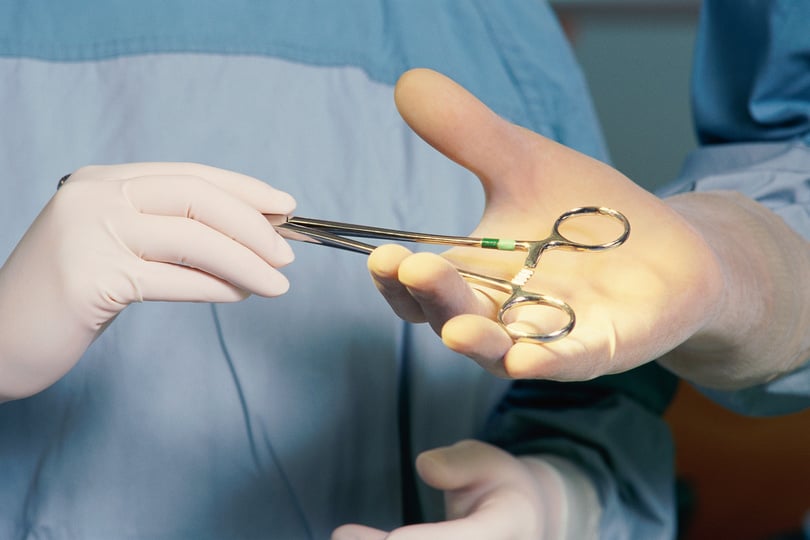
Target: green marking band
(496, 243)
(506, 245)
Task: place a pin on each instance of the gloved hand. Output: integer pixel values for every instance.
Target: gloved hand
(492, 495)
(113, 235)
(633, 303)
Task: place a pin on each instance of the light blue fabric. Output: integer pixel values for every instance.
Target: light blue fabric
(530, 74)
(279, 418)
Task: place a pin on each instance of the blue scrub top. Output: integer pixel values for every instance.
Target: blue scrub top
(287, 417)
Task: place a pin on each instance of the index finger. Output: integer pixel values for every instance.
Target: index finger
(262, 196)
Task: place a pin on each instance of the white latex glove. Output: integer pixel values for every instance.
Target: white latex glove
(113, 235)
(491, 495)
(633, 303)
(714, 279)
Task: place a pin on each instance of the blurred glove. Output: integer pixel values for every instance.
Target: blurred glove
(113, 235)
(633, 303)
(492, 495)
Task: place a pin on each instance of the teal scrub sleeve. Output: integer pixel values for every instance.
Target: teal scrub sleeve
(751, 81)
(612, 429)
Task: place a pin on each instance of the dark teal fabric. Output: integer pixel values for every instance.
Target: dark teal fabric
(752, 71)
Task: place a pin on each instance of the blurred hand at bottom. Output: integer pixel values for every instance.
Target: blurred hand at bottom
(491, 494)
(633, 303)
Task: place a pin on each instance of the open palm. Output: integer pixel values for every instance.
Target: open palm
(633, 303)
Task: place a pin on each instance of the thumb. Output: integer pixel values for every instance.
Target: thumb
(461, 127)
(358, 532)
(524, 174)
(462, 465)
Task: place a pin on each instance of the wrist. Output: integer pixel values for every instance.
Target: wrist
(755, 325)
(572, 510)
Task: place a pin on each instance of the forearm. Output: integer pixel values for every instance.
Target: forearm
(41, 338)
(758, 329)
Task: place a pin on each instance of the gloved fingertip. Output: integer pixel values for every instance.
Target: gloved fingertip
(357, 532)
(283, 253)
(283, 287)
(277, 285)
(434, 468)
(385, 260)
(285, 203)
(426, 271)
(532, 361)
(273, 201)
(479, 339)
